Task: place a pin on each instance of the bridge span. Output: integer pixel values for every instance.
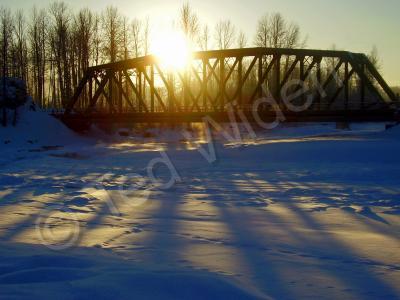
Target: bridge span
(302, 84)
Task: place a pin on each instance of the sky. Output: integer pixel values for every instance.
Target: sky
(353, 25)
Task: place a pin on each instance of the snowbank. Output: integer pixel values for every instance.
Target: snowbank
(35, 132)
(36, 128)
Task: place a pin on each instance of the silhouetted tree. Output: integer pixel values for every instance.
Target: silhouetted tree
(204, 38)
(146, 36)
(274, 31)
(60, 42)
(225, 34)
(84, 28)
(96, 40)
(242, 40)
(125, 39)
(111, 23)
(136, 35)
(38, 34)
(373, 56)
(263, 32)
(20, 45)
(189, 23)
(6, 26)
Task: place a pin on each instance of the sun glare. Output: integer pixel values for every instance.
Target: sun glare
(171, 49)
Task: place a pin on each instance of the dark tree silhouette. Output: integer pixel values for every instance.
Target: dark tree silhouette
(225, 34)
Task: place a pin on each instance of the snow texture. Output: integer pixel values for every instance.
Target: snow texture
(300, 212)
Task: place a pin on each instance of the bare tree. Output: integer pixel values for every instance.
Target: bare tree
(373, 57)
(81, 32)
(125, 38)
(96, 39)
(60, 40)
(277, 31)
(146, 36)
(126, 46)
(204, 38)
(84, 22)
(263, 32)
(6, 26)
(274, 31)
(293, 37)
(225, 34)
(189, 22)
(21, 60)
(111, 23)
(37, 32)
(136, 35)
(242, 40)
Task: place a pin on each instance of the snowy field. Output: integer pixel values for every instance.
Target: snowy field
(299, 212)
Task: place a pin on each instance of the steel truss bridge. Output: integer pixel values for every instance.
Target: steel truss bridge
(330, 85)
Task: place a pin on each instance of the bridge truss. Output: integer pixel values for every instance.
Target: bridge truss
(331, 83)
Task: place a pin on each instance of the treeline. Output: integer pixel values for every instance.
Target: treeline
(51, 48)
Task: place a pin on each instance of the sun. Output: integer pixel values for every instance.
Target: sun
(172, 50)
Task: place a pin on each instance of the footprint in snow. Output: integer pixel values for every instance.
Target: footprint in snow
(80, 201)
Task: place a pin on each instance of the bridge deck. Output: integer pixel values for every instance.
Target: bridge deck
(82, 122)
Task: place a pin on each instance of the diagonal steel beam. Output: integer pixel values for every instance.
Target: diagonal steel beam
(119, 84)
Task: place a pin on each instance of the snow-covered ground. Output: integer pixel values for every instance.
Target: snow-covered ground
(300, 212)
